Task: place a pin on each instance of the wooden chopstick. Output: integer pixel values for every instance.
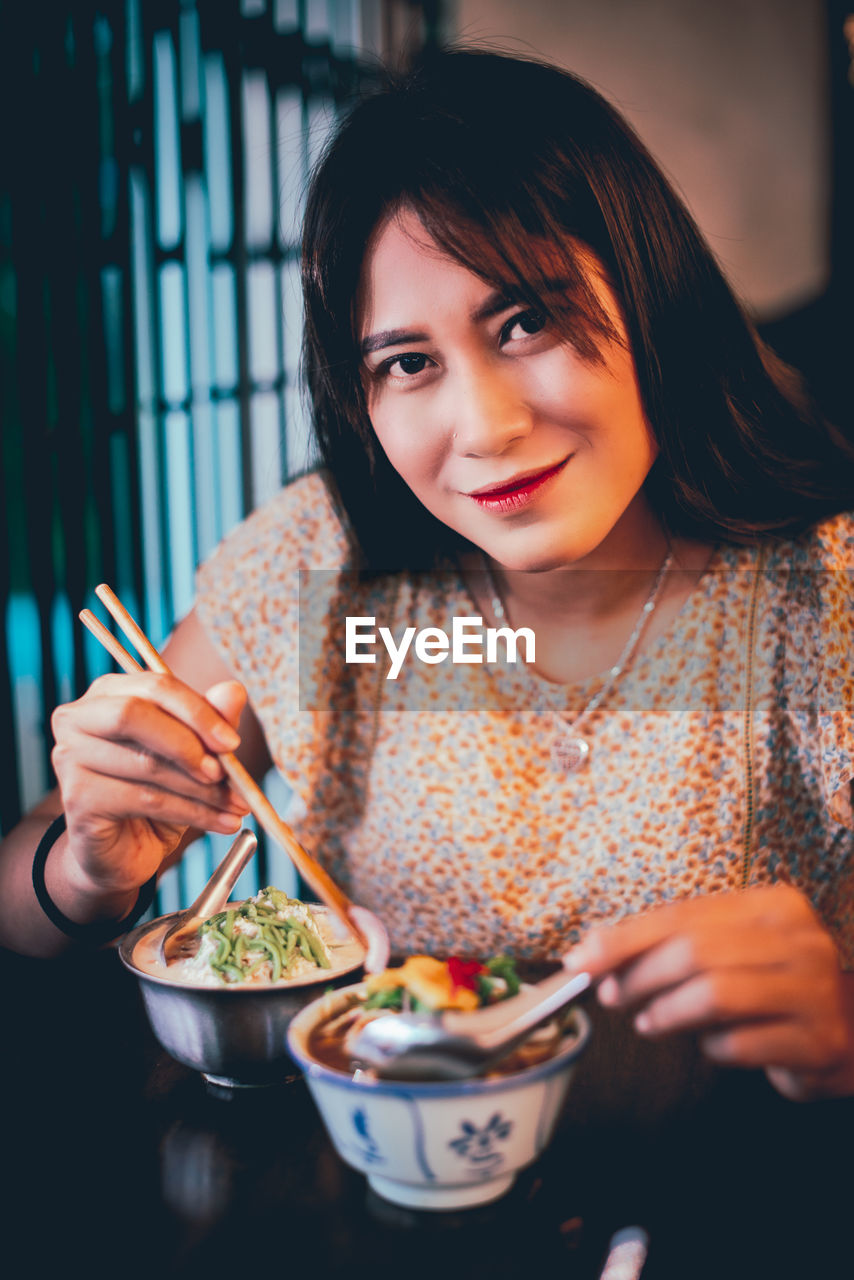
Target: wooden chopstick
(117, 652)
(311, 871)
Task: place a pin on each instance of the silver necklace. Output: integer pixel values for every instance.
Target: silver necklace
(570, 749)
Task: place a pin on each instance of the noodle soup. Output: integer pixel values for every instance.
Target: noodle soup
(433, 1144)
(267, 940)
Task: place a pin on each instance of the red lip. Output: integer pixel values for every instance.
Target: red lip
(518, 489)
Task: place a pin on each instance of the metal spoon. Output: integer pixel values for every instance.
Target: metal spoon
(453, 1045)
(181, 940)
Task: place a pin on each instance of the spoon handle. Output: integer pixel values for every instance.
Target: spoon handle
(218, 889)
(521, 1013)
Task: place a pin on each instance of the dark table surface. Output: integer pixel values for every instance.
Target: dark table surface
(119, 1161)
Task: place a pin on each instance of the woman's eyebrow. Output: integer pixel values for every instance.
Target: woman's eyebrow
(390, 338)
(495, 302)
(502, 299)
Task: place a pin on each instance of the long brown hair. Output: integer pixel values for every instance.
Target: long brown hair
(496, 154)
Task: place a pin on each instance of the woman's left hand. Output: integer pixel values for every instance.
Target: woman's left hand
(754, 973)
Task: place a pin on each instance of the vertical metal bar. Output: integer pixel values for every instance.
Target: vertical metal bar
(125, 485)
(11, 552)
(32, 668)
(232, 51)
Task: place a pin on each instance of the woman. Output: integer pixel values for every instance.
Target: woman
(538, 404)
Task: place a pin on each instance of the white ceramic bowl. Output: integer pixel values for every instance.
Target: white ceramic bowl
(445, 1145)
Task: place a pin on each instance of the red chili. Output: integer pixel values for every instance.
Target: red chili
(464, 972)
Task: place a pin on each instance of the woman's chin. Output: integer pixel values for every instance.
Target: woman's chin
(531, 555)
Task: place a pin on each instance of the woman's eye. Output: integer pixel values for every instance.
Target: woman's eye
(530, 322)
(405, 366)
(411, 364)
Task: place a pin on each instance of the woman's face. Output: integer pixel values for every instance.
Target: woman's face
(492, 419)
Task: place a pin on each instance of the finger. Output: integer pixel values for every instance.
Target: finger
(374, 931)
(610, 947)
(229, 697)
(132, 763)
(685, 955)
(780, 1044)
(120, 801)
(729, 996)
(132, 718)
(173, 696)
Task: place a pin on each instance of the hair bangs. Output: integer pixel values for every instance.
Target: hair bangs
(530, 259)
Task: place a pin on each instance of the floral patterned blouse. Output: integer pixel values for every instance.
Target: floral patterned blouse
(434, 797)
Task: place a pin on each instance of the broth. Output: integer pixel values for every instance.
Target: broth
(327, 1044)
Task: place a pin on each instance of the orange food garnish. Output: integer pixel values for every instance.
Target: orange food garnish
(429, 981)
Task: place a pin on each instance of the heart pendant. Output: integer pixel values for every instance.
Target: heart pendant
(570, 753)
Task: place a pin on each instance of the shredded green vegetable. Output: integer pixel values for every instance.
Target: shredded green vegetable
(386, 998)
(505, 967)
(263, 930)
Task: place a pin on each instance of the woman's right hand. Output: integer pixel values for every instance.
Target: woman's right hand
(135, 759)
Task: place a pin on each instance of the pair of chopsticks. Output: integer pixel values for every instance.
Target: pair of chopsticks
(311, 871)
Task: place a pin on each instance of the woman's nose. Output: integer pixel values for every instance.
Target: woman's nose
(489, 413)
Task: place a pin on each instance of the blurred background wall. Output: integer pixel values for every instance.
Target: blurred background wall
(730, 97)
(155, 156)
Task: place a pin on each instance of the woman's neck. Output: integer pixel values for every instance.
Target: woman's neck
(599, 584)
(583, 614)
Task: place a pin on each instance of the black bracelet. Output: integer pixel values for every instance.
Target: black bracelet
(99, 931)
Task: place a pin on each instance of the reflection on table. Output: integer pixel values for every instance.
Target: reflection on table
(123, 1160)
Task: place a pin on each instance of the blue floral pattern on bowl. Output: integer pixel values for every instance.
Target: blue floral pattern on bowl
(367, 1146)
(478, 1145)
(447, 1144)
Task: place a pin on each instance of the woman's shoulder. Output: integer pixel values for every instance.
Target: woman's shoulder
(824, 546)
(808, 594)
(298, 528)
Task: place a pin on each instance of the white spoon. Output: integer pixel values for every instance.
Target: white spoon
(452, 1045)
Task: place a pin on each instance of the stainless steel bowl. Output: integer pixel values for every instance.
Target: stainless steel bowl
(234, 1035)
